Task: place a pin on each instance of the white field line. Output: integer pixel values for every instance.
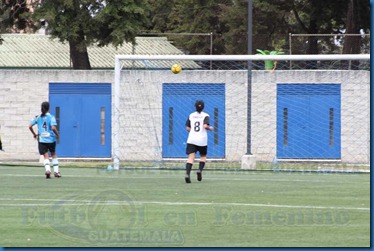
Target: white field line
(139, 176)
(66, 202)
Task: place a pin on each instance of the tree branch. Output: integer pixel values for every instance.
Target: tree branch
(298, 18)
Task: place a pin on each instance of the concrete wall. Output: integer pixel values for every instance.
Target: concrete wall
(22, 91)
(355, 110)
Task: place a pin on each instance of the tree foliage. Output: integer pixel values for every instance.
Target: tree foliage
(14, 16)
(84, 22)
(190, 16)
(273, 21)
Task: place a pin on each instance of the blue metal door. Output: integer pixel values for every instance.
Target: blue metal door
(308, 121)
(83, 112)
(177, 103)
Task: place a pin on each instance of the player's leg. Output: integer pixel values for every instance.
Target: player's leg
(191, 151)
(52, 149)
(191, 158)
(203, 152)
(43, 150)
(55, 165)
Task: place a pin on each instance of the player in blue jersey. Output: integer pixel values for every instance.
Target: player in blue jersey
(197, 125)
(47, 135)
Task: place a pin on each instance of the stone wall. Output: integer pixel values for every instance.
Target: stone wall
(22, 91)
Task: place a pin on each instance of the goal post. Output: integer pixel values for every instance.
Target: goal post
(150, 105)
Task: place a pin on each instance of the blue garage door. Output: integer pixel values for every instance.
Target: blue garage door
(83, 111)
(308, 121)
(178, 101)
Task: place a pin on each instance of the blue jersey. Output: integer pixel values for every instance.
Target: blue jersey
(46, 135)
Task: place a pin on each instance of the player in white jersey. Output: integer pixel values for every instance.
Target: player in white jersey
(47, 134)
(197, 125)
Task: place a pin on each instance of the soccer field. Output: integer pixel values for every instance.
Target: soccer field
(92, 207)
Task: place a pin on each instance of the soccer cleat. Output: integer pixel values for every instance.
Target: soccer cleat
(48, 174)
(187, 178)
(58, 175)
(199, 176)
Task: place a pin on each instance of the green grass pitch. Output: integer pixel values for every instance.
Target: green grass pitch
(92, 207)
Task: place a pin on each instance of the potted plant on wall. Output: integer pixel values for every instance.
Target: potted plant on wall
(269, 64)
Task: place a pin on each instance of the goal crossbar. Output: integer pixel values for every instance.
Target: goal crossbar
(246, 57)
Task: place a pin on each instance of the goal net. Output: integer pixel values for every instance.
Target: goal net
(270, 112)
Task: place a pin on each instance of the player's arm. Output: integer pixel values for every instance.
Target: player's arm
(206, 124)
(188, 125)
(54, 129)
(32, 123)
(208, 127)
(32, 130)
(54, 126)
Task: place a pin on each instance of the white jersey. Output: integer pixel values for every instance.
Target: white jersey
(198, 134)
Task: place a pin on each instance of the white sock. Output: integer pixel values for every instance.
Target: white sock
(46, 165)
(55, 165)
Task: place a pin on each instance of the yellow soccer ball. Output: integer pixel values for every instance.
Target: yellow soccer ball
(176, 68)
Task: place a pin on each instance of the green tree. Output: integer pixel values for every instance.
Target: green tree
(357, 20)
(273, 20)
(82, 23)
(326, 17)
(235, 16)
(315, 17)
(269, 31)
(160, 13)
(14, 16)
(227, 19)
(190, 16)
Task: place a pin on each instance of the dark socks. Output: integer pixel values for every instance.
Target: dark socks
(188, 168)
(201, 166)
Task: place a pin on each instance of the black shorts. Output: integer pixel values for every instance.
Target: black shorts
(45, 147)
(203, 150)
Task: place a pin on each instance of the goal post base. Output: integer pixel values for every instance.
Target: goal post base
(248, 161)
